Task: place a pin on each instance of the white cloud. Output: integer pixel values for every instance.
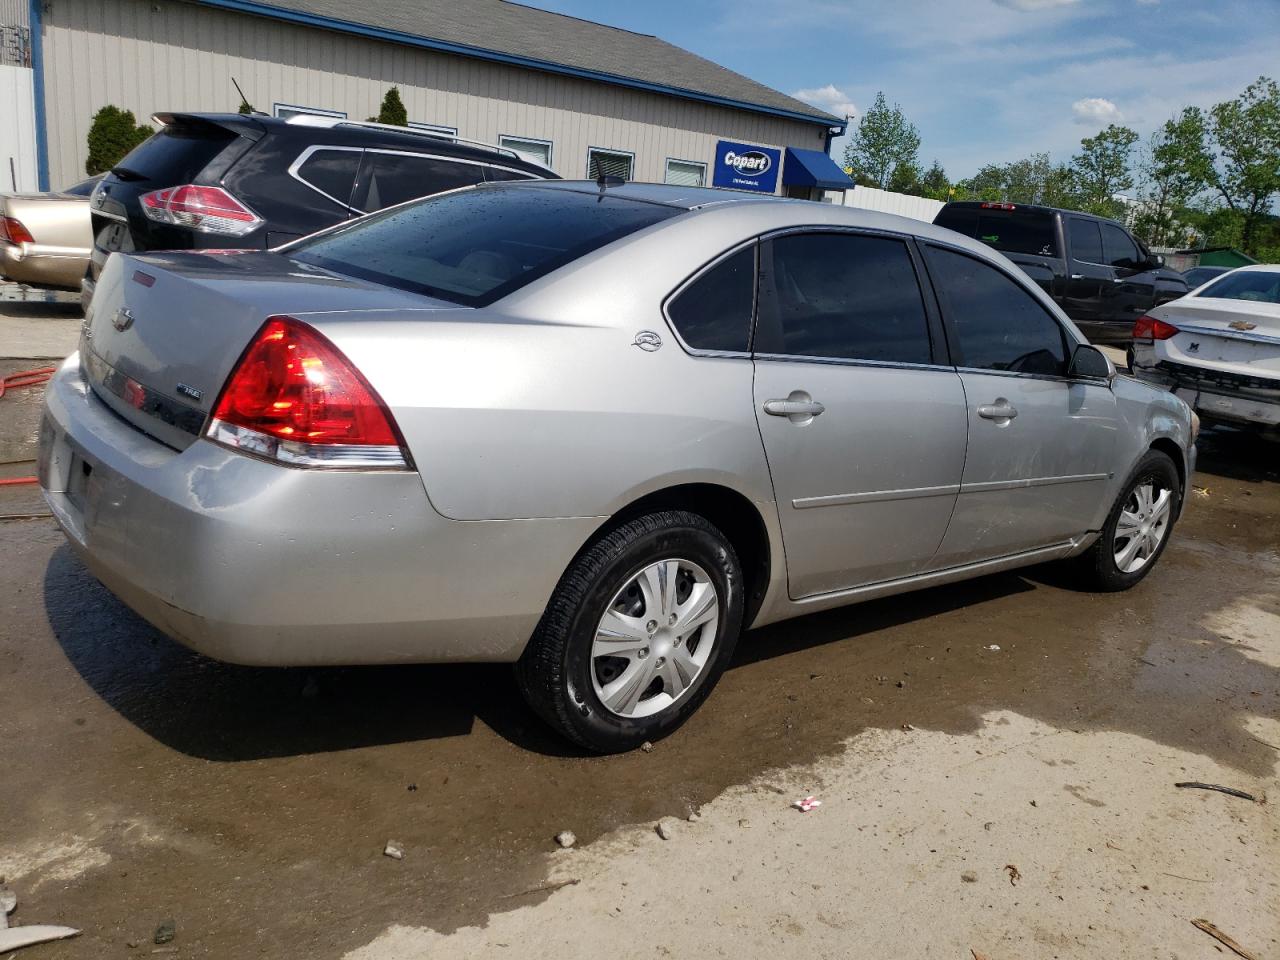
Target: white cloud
(1030, 5)
(829, 98)
(1096, 111)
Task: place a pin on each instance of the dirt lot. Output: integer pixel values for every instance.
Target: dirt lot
(140, 782)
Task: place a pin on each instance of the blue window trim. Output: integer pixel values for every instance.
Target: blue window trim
(37, 76)
(428, 43)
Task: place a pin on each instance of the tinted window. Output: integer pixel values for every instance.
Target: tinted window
(998, 324)
(714, 312)
(1120, 251)
(177, 153)
(476, 246)
(1260, 286)
(1198, 275)
(497, 173)
(332, 172)
(842, 296)
(1086, 241)
(391, 178)
(1013, 231)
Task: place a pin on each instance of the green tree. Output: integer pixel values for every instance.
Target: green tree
(245, 107)
(905, 178)
(1244, 166)
(884, 140)
(1101, 169)
(112, 134)
(1034, 179)
(392, 110)
(934, 184)
(1171, 171)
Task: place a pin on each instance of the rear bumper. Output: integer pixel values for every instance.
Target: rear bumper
(43, 266)
(1210, 393)
(254, 563)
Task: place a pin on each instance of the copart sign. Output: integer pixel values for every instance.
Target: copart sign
(741, 166)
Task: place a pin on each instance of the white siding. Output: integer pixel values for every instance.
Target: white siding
(15, 13)
(155, 55)
(885, 201)
(17, 131)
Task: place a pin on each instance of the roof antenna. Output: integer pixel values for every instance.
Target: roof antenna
(244, 99)
(608, 180)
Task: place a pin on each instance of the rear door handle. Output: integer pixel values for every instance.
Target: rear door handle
(797, 408)
(1077, 276)
(1002, 409)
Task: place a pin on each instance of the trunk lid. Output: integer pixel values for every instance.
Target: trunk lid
(1241, 337)
(164, 331)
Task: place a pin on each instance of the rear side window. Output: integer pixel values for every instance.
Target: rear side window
(714, 312)
(998, 324)
(332, 172)
(387, 179)
(1086, 241)
(1118, 247)
(476, 246)
(841, 296)
(177, 153)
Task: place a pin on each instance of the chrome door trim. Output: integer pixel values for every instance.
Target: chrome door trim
(875, 496)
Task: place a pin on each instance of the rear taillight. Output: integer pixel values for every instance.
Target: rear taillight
(12, 231)
(293, 397)
(1149, 328)
(999, 206)
(205, 209)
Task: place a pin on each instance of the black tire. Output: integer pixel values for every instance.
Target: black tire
(1097, 566)
(556, 671)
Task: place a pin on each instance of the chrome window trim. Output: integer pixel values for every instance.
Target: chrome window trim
(305, 155)
(697, 275)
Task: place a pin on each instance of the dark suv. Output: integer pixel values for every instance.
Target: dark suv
(1098, 272)
(212, 180)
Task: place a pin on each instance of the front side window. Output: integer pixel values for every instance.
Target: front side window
(998, 324)
(714, 312)
(1086, 241)
(1118, 247)
(841, 296)
(608, 163)
(476, 246)
(331, 171)
(390, 178)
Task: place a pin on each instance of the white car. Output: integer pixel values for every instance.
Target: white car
(1218, 348)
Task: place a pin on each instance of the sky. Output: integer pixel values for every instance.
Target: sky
(984, 81)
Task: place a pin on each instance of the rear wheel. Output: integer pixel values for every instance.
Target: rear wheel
(637, 633)
(1138, 527)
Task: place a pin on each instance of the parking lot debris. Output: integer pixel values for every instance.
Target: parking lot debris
(1200, 491)
(994, 647)
(543, 888)
(1222, 938)
(13, 938)
(647, 747)
(907, 727)
(1229, 791)
(165, 933)
(977, 955)
(393, 850)
(566, 839)
(666, 828)
(969, 876)
(1014, 874)
(806, 804)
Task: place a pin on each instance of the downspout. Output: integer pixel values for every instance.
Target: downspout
(37, 72)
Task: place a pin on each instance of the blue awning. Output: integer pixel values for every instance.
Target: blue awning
(813, 168)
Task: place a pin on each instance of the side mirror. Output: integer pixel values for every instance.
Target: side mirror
(1089, 363)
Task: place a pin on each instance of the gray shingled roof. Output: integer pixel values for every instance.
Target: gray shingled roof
(511, 29)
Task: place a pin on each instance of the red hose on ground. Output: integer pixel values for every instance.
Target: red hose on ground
(15, 381)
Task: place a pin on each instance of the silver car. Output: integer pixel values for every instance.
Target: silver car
(593, 430)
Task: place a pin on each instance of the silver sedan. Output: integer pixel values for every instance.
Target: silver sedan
(593, 430)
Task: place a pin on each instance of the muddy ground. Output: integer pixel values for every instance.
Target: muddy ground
(141, 782)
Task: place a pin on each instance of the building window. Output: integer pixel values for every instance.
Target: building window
(444, 131)
(535, 151)
(609, 163)
(286, 110)
(686, 173)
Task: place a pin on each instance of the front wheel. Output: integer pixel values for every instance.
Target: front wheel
(1138, 527)
(637, 633)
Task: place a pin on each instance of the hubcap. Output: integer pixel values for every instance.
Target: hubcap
(655, 638)
(1144, 521)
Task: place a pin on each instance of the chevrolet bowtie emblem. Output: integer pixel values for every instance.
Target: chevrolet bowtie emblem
(122, 320)
(1241, 325)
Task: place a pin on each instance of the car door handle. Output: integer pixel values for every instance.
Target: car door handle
(1002, 409)
(1077, 276)
(794, 408)
(1117, 279)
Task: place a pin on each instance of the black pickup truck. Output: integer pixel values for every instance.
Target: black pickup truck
(1101, 276)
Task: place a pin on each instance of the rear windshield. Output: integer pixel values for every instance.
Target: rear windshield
(1260, 286)
(476, 246)
(1010, 231)
(176, 154)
